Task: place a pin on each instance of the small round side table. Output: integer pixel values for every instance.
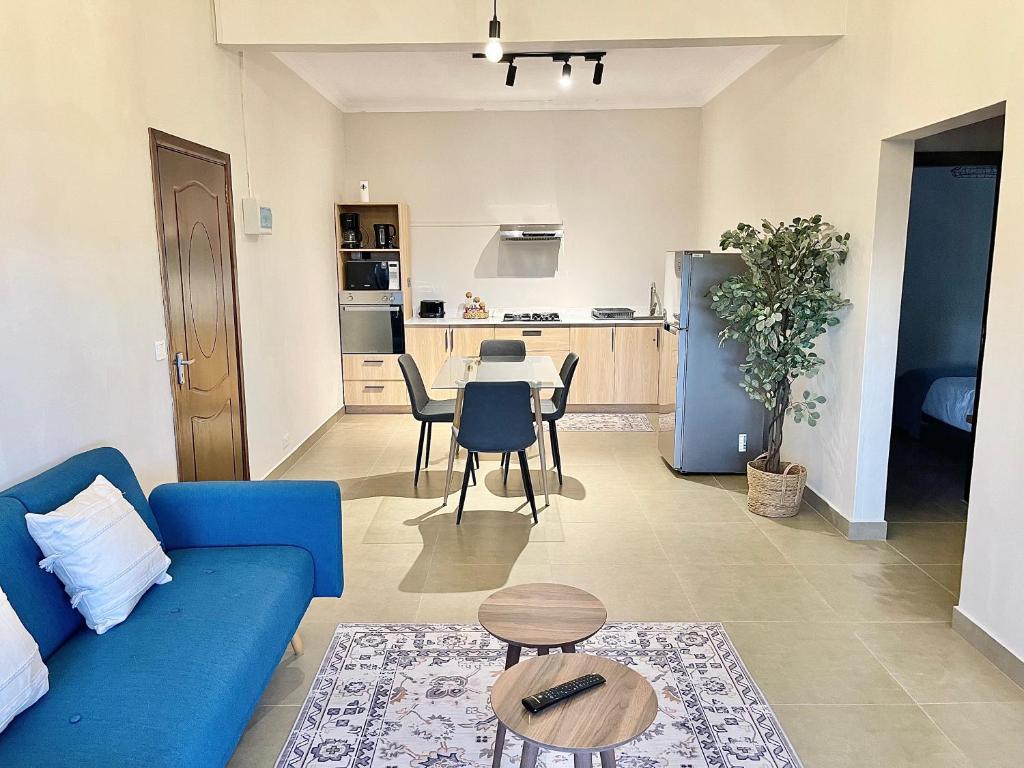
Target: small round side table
(593, 722)
(541, 616)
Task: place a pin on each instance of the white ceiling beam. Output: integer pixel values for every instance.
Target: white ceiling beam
(409, 25)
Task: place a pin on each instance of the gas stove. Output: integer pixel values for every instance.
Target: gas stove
(531, 317)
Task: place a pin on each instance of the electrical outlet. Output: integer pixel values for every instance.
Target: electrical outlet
(741, 444)
(160, 350)
(286, 440)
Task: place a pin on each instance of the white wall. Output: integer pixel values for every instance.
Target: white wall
(623, 183)
(804, 131)
(80, 295)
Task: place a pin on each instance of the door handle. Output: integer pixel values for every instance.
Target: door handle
(180, 364)
(532, 333)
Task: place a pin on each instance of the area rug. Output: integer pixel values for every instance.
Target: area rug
(605, 422)
(416, 696)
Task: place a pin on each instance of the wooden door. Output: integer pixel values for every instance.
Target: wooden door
(636, 364)
(594, 382)
(466, 339)
(429, 347)
(192, 186)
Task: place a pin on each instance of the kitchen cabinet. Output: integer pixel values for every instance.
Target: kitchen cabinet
(373, 382)
(464, 340)
(356, 367)
(636, 364)
(594, 382)
(429, 347)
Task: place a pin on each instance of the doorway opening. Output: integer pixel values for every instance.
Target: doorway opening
(947, 271)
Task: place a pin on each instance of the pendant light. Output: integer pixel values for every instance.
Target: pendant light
(493, 50)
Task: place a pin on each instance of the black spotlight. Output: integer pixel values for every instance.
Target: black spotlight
(598, 72)
(510, 76)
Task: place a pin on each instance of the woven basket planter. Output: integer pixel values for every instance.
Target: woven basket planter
(771, 494)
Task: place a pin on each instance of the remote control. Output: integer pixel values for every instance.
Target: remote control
(544, 699)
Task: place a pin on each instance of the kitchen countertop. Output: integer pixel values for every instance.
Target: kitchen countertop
(572, 316)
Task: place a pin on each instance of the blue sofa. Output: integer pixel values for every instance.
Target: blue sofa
(175, 684)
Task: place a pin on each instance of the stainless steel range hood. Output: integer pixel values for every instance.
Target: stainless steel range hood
(530, 232)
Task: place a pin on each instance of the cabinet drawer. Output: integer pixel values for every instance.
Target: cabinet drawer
(381, 393)
(538, 340)
(370, 368)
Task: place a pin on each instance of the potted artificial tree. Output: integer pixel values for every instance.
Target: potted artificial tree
(778, 308)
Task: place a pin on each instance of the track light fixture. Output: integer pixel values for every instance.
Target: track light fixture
(565, 57)
(493, 51)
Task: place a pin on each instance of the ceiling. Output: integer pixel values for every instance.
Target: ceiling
(437, 81)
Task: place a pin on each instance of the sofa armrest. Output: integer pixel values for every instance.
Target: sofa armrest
(299, 513)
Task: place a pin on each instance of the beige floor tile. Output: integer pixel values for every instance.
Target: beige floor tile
(668, 509)
(929, 542)
(809, 538)
(991, 735)
(403, 521)
(936, 665)
(453, 591)
(608, 545)
(721, 543)
(483, 543)
(373, 592)
(613, 506)
(766, 592)
(949, 576)
(649, 474)
(822, 664)
(264, 737)
(880, 592)
(896, 736)
(732, 482)
(644, 592)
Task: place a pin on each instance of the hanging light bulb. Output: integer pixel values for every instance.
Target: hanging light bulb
(566, 79)
(493, 50)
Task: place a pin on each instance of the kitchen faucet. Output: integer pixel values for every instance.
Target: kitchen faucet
(656, 309)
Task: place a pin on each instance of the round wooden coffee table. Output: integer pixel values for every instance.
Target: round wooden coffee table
(595, 721)
(541, 616)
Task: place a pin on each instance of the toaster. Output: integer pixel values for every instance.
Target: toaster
(431, 308)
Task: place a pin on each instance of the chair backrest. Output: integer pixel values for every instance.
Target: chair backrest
(418, 397)
(561, 395)
(497, 416)
(503, 348)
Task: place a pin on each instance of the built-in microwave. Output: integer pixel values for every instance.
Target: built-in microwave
(372, 275)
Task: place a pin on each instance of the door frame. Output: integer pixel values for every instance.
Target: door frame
(161, 140)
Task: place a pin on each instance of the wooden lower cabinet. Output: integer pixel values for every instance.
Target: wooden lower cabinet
(465, 339)
(428, 346)
(355, 367)
(376, 394)
(594, 382)
(636, 364)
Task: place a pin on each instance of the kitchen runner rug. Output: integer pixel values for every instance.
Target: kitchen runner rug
(416, 696)
(605, 422)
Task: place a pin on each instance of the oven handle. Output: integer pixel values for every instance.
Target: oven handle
(370, 307)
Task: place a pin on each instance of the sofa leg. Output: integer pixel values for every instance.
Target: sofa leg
(296, 644)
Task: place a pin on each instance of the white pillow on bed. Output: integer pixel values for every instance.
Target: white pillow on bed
(23, 676)
(103, 552)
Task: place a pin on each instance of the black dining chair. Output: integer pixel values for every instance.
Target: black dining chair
(515, 348)
(425, 410)
(497, 417)
(552, 410)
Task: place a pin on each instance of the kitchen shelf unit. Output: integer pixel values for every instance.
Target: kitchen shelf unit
(395, 214)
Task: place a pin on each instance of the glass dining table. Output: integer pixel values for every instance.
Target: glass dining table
(536, 370)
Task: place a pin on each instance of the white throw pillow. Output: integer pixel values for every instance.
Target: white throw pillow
(23, 676)
(103, 552)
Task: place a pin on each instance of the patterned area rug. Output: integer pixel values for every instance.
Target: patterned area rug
(605, 422)
(416, 696)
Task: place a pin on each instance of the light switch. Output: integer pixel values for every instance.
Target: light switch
(160, 350)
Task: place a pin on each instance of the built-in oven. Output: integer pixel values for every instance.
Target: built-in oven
(372, 275)
(372, 322)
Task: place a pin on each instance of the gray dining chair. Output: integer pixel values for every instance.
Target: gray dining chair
(515, 348)
(425, 410)
(497, 417)
(552, 410)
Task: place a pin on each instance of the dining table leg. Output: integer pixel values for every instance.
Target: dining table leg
(540, 441)
(452, 446)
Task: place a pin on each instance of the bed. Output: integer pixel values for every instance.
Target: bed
(943, 394)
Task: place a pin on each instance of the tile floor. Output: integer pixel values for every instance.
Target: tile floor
(850, 641)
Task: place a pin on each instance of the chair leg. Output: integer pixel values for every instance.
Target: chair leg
(477, 455)
(465, 485)
(419, 452)
(430, 431)
(472, 468)
(506, 460)
(554, 449)
(528, 483)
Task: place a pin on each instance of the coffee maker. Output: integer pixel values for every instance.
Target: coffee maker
(351, 233)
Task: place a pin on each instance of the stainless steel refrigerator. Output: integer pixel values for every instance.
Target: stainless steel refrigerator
(712, 426)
